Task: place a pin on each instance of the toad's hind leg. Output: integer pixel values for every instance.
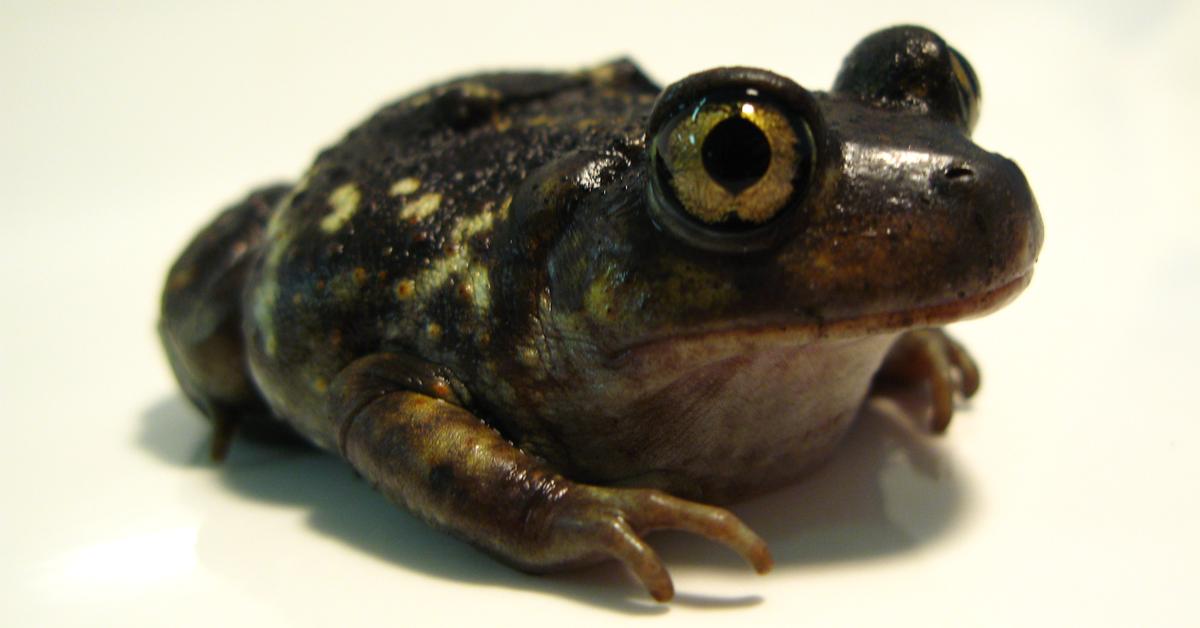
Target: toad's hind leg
(405, 432)
(201, 326)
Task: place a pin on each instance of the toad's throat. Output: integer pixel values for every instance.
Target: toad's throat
(765, 412)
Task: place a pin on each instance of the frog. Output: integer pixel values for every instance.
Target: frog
(552, 312)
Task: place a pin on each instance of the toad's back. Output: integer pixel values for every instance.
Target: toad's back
(390, 238)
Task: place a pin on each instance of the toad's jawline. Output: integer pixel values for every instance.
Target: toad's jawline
(848, 328)
(941, 314)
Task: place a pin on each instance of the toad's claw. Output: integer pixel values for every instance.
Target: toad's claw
(930, 356)
(593, 521)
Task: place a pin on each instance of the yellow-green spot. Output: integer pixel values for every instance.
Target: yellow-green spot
(599, 298)
(267, 295)
(438, 274)
(421, 208)
(346, 286)
(277, 225)
(527, 356)
(420, 100)
(405, 289)
(481, 288)
(689, 286)
(478, 91)
(265, 298)
(542, 120)
(305, 180)
(404, 186)
(434, 331)
(467, 227)
(343, 202)
(603, 75)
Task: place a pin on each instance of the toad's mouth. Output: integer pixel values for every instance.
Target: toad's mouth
(736, 338)
(973, 306)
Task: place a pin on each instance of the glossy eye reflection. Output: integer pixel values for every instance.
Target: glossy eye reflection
(733, 164)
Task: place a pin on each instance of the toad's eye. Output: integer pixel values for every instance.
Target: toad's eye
(731, 161)
(912, 68)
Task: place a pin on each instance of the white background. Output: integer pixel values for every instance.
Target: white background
(1065, 495)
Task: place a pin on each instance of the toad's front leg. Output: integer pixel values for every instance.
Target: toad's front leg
(406, 434)
(930, 356)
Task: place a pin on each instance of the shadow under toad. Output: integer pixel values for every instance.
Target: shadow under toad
(888, 490)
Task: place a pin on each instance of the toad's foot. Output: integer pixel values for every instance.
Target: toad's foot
(404, 430)
(929, 356)
(589, 523)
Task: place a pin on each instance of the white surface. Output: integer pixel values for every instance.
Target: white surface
(1066, 495)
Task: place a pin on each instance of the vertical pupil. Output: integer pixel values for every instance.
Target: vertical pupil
(736, 154)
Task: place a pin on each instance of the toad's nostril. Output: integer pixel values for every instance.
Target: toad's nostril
(959, 173)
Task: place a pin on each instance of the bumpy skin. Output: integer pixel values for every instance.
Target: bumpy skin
(470, 298)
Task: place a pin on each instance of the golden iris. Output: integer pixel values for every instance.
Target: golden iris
(731, 162)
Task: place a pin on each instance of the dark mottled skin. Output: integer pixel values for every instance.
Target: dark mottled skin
(470, 300)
